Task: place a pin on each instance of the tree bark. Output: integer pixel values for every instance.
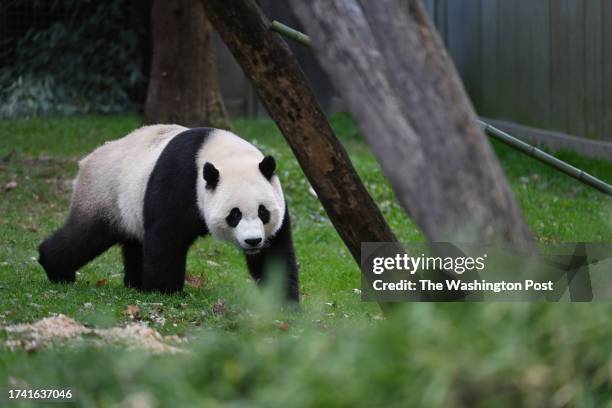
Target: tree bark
(183, 86)
(389, 64)
(266, 60)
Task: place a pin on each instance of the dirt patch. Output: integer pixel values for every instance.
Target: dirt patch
(43, 333)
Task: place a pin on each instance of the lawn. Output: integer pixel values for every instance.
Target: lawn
(338, 351)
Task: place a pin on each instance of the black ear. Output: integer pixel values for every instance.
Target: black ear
(211, 175)
(267, 167)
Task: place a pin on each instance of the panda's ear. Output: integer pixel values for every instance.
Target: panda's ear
(211, 175)
(267, 167)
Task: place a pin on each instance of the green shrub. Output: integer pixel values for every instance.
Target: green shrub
(87, 61)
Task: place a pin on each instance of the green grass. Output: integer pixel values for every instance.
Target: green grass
(337, 351)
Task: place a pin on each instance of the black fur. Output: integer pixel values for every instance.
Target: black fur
(172, 219)
(234, 217)
(280, 249)
(172, 222)
(132, 263)
(263, 213)
(211, 175)
(267, 167)
(74, 245)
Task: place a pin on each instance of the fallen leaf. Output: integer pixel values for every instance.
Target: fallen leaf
(195, 281)
(132, 311)
(101, 282)
(219, 307)
(284, 326)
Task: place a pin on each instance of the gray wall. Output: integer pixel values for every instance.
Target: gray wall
(542, 63)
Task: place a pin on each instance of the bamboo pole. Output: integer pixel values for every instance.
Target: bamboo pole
(289, 32)
(491, 131)
(546, 158)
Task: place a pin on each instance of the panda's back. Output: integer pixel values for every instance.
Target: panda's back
(112, 179)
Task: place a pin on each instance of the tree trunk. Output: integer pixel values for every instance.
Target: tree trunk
(282, 87)
(388, 62)
(183, 85)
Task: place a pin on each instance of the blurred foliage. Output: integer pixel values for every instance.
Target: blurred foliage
(87, 59)
(426, 355)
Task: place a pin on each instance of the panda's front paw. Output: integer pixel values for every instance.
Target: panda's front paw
(161, 288)
(56, 275)
(61, 278)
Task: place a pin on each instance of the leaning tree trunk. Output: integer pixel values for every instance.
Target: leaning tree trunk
(388, 62)
(282, 87)
(183, 86)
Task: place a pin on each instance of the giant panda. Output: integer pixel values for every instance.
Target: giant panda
(159, 188)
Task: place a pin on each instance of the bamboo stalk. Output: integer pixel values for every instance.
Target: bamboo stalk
(289, 32)
(546, 158)
(492, 131)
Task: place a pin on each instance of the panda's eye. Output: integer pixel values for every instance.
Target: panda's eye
(234, 217)
(264, 214)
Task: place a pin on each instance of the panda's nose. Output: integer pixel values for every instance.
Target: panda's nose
(253, 241)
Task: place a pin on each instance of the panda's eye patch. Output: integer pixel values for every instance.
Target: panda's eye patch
(264, 214)
(234, 217)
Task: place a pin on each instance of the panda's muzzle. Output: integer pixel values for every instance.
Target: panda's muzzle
(252, 246)
(253, 242)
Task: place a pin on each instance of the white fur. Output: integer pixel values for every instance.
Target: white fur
(241, 185)
(112, 180)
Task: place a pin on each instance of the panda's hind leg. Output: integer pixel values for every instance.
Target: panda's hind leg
(132, 262)
(72, 246)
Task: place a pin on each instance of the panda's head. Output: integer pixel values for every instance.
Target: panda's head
(242, 202)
